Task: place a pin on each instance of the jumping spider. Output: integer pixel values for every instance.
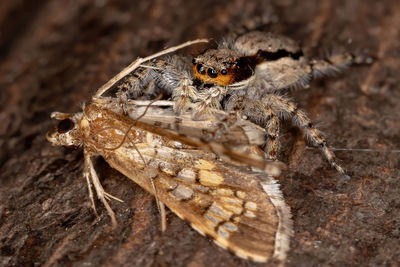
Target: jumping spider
(249, 75)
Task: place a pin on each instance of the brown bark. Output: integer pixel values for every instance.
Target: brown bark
(54, 54)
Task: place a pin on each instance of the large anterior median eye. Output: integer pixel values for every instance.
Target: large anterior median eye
(65, 126)
(212, 73)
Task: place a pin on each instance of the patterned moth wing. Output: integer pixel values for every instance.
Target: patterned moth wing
(226, 134)
(221, 201)
(218, 126)
(240, 210)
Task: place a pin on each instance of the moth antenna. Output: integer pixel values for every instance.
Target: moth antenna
(150, 67)
(148, 106)
(163, 217)
(131, 126)
(160, 205)
(120, 144)
(166, 103)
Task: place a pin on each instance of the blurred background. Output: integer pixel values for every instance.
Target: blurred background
(55, 54)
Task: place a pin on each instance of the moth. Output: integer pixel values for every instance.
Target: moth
(240, 209)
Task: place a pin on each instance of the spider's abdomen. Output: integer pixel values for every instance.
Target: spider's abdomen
(273, 44)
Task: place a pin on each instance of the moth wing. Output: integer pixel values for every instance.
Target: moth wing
(113, 128)
(218, 126)
(219, 200)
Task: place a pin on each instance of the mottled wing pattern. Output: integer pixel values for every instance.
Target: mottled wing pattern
(236, 145)
(219, 126)
(225, 202)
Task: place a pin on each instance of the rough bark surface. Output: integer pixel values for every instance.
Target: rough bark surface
(54, 54)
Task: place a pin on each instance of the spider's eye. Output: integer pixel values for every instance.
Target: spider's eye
(194, 61)
(239, 63)
(200, 69)
(212, 73)
(224, 72)
(65, 125)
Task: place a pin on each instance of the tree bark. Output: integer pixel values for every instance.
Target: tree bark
(54, 54)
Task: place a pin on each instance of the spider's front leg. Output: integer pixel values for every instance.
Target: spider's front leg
(286, 108)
